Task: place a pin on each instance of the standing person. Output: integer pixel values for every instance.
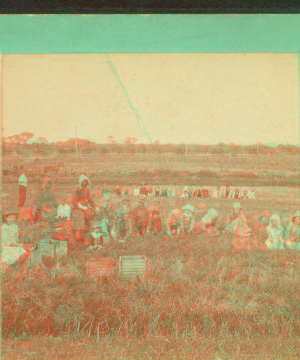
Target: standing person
(275, 239)
(83, 208)
(260, 230)
(22, 187)
(140, 218)
(47, 204)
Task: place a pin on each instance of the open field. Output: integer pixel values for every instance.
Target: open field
(169, 169)
(202, 299)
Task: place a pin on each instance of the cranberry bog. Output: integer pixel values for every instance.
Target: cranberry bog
(201, 299)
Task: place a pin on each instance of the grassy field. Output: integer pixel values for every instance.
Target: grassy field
(202, 298)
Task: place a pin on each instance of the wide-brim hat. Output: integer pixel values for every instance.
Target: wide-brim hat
(265, 213)
(275, 217)
(202, 205)
(47, 180)
(213, 213)
(296, 214)
(11, 214)
(188, 208)
(81, 180)
(95, 225)
(154, 209)
(237, 205)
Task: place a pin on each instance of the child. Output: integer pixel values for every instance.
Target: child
(96, 237)
(122, 222)
(22, 187)
(260, 231)
(140, 218)
(201, 212)
(10, 230)
(275, 239)
(295, 231)
(241, 233)
(64, 209)
(188, 219)
(154, 220)
(174, 221)
(207, 224)
(286, 227)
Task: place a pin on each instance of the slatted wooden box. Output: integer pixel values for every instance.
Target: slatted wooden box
(100, 267)
(133, 267)
(47, 250)
(61, 248)
(11, 254)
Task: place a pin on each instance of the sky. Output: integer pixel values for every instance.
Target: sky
(177, 98)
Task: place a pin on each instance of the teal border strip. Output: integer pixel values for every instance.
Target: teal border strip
(27, 34)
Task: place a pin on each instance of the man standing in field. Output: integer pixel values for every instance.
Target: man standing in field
(140, 218)
(22, 187)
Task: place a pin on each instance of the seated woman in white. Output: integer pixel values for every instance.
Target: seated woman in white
(275, 239)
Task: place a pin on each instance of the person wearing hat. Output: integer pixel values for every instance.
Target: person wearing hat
(122, 222)
(59, 231)
(10, 230)
(64, 209)
(106, 217)
(83, 208)
(295, 231)
(174, 221)
(260, 230)
(96, 237)
(22, 187)
(47, 204)
(207, 224)
(154, 220)
(241, 232)
(139, 219)
(286, 226)
(275, 239)
(188, 219)
(201, 212)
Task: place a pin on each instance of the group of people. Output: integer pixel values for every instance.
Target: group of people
(79, 219)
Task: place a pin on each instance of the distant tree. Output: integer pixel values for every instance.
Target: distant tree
(25, 136)
(111, 140)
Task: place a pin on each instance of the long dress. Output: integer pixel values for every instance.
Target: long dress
(81, 218)
(139, 221)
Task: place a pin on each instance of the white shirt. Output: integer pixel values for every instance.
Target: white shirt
(9, 233)
(23, 180)
(64, 211)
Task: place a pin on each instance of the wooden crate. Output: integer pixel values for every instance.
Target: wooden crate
(100, 267)
(61, 248)
(133, 266)
(47, 250)
(36, 257)
(11, 254)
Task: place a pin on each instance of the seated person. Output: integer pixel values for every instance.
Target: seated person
(201, 212)
(295, 232)
(173, 223)
(286, 226)
(206, 225)
(140, 218)
(188, 219)
(64, 209)
(275, 239)
(122, 222)
(154, 220)
(260, 231)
